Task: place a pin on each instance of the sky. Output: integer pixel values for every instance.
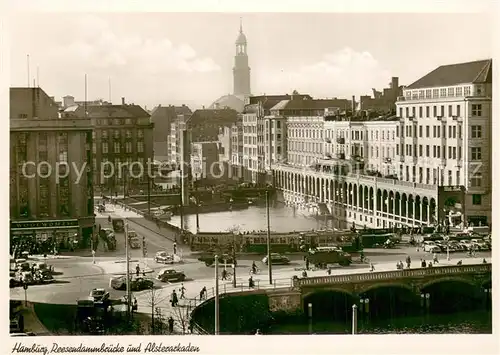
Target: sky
(175, 58)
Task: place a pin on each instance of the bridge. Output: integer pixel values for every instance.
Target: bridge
(417, 282)
(378, 294)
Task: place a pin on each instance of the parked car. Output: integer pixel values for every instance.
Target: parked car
(170, 275)
(163, 257)
(277, 259)
(433, 249)
(428, 245)
(480, 244)
(13, 282)
(466, 243)
(99, 295)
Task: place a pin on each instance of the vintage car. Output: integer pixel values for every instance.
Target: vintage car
(136, 283)
(170, 275)
(99, 295)
(163, 257)
(118, 225)
(133, 240)
(277, 259)
(209, 259)
(322, 257)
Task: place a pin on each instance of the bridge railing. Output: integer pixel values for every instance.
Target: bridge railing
(390, 275)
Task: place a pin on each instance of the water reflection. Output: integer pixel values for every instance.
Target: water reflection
(477, 322)
(283, 219)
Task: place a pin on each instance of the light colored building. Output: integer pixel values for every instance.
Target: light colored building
(205, 161)
(439, 148)
(45, 203)
(445, 133)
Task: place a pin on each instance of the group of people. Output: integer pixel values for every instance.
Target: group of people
(174, 299)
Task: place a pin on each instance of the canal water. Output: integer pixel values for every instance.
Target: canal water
(282, 219)
(474, 322)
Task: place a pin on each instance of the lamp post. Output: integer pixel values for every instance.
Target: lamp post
(216, 295)
(269, 261)
(354, 319)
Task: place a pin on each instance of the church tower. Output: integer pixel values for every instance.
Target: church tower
(241, 70)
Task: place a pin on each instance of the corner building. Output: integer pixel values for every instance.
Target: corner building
(430, 164)
(44, 207)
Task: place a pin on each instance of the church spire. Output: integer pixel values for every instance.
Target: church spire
(241, 70)
(241, 24)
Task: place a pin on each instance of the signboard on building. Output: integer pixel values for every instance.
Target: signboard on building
(451, 202)
(55, 224)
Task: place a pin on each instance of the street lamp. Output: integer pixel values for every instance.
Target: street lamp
(216, 295)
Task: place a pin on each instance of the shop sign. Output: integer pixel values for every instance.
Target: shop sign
(44, 224)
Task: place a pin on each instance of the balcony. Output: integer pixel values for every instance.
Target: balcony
(341, 140)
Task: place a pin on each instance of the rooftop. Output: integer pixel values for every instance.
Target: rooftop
(306, 104)
(116, 111)
(479, 71)
(204, 124)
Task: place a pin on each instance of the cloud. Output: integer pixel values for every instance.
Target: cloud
(97, 46)
(341, 74)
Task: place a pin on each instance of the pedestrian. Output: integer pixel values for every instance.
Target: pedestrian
(408, 261)
(175, 248)
(435, 258)
(174, 300)
(372, 267)
(182, 289)
(224, 274)
(137, 270)
(250, 282)
(307, 263)
(170, 325)
(422, 263)
(201, 295)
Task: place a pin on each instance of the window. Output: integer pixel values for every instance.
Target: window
(427, 131)
(450, 178)
(105, 148)
(400, 112)
(427, 111)
(459, 132)
(476, 131)
(420, 150)
(434, 110)
(450, 110)
(442, 93)
(413, 111)
(458, 92)
(116, 147)
(477, 110)
(449, 152)
(476, 180)
(278, 124)
(454, 131)
(140, 133)
(458, 110)
(105, 134)
(420, 131)
(428, 93)
(476, 153)
(476, 199)
(407, 112)
(420, 110)
(433, 151)
(433, 131)
(427, 151)
(140, 147)
(435, 93)
(459, 152)
(438, 151)
(442, 111)
(458, 177)
(454, 152)
(427, 176)
(439, 132)
(467, 91)
(451, 91)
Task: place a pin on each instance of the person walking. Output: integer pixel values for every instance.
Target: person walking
(174, 300)
(408, 261)
(170, 324)
(183, 290)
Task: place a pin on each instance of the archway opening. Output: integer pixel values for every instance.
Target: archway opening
(388, 301)
(451, 296)
(329, 305)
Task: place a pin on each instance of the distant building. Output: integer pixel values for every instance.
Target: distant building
(122, 135)
(205, 161)
(162, 117)
(44, 205)
(241, 78)
(382, 102)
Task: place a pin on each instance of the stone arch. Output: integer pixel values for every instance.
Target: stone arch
(371, 198)
(354, 195)
(425, 212)
(418, 203)
(378, 200)
(369, 287)
(404, 205)
(397, 204)
(447, 279)
(385, 201)
(432, 211)
(366, 198)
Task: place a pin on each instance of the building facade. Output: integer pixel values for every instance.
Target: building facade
(162, 118)
(401, 170)
(51, 179)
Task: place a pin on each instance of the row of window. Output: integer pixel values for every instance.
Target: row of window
(114, 121)
(476, 111)
(117, 133)
(117, 147)
(411, 131)
(442, 92)
(411, 150)
(306, 147)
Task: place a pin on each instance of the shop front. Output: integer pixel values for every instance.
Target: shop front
(58, 234)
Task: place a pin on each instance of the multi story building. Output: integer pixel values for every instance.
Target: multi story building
(445, 133)
(205, 162)
(439, 147)
(163, 117)
(51, 183)
(237, 149)
(122, 135)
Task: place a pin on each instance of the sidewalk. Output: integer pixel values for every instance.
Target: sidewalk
(31, 321)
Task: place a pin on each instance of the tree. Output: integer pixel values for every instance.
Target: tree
(153, 298)
(182, 317)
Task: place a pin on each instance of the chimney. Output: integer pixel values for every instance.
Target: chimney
(123, 101)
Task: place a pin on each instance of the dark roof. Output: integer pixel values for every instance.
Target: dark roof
(171, 111)
(204, 124)
(453, 74)
(117, 111)
(316, 104)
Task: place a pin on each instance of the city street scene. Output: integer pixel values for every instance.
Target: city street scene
(250, 174)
